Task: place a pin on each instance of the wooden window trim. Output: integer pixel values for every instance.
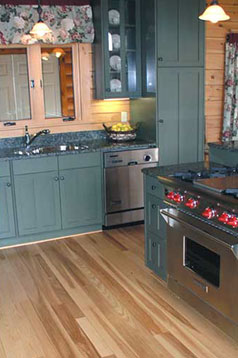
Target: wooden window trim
(38, 119)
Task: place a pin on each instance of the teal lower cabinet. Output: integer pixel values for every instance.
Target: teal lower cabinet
(155, 254)
(223, 154)
(155, 222)
(50, 197)
(37, 202)
(81, 197)
(155, 227)
(7, 224)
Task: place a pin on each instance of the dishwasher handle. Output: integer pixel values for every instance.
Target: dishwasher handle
(133, 162)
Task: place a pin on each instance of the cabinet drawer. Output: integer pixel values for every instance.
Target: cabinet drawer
(4, 169)
(154, 187)
(35, 165)
(82, 160)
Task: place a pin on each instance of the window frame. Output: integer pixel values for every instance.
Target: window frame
(38, 118)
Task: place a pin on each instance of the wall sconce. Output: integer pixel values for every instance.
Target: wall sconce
(214, 13)
(40, 28)
(58, 52)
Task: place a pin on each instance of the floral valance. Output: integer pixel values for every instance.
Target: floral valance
(68, 24)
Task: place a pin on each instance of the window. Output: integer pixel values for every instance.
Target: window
(39, 83)
(14, 85)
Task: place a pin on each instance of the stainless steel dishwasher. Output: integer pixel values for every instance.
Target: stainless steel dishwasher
(123, 184)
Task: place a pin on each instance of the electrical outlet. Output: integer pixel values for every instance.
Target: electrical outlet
(123, 116)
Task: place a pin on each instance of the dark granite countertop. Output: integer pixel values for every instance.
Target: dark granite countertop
(230, 146)
(168, 170)
(82, 146)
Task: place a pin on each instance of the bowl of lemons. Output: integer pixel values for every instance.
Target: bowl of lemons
(121, 132)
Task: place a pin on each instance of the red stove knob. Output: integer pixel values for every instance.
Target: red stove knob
(224, 217)
(170, 195)
(191, 203)
(209, 213)
(178, 198)
(233, 221)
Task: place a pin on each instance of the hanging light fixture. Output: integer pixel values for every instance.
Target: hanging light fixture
(214, 13)
(40, 28)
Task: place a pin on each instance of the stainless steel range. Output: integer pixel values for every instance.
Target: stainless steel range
(202, 218)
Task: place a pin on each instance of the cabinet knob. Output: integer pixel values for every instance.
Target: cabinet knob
(153, 206)
(161, 121)
(153, 244)
(56, 178)
(153, 187)
(62, 178)
(9, 184)
(160, 59)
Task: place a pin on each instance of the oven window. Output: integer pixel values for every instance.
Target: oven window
(203, 261)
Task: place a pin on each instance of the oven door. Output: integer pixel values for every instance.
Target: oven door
(203, 259)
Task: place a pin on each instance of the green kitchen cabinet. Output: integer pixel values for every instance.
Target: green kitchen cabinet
(81, 197)
(155, 227)
(7, 224)
(180, 121)
(180, 34)
(156, 254)
(148, 55)
(155, 222)
(37, 202)
(117, 52)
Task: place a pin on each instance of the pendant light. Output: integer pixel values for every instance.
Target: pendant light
(214, 13)
(40, 28)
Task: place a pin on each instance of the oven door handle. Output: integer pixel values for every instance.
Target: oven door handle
(227, 240)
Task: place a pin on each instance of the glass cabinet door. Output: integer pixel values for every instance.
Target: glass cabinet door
(114, 46)
(122, 55)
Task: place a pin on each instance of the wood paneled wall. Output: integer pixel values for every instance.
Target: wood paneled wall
(215, 58)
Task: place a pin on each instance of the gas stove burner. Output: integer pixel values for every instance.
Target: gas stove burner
(219, 172)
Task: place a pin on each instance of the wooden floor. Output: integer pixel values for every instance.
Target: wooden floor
(91, 296)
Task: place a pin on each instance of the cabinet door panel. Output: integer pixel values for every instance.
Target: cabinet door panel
(7, 226)
(156, 254)
(191, 118)
(81, 197)
(180, 33)
(155, 221)
(180, 108)
(167, 123)
(38, 202)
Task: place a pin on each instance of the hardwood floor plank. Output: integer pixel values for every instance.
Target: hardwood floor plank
(99, 344)
(92, 297)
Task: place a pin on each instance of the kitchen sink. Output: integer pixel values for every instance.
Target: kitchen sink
(49, 149)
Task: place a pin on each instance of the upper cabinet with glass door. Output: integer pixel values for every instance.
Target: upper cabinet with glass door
(117, 51)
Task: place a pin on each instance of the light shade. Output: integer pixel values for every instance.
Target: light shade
(214, 13)
(39, 30)
(58, 52)
(45, 56)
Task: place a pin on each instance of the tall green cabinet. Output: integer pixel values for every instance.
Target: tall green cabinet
(180, 81)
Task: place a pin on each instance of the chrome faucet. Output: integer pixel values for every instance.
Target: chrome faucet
(28, 138)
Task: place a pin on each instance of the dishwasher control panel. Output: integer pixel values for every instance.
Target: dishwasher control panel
(131, 157)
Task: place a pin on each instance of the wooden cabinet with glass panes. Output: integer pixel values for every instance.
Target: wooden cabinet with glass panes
(117, 54)
(39, 83)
